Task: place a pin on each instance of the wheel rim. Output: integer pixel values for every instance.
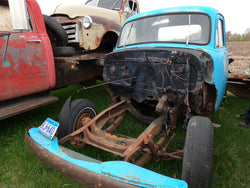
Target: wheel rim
(83, 118)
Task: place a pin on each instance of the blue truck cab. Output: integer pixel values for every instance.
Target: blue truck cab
(178, 49)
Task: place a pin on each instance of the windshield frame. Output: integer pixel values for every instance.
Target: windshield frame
(174, 42)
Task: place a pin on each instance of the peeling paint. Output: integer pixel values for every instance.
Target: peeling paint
(6, 64)
(23, 67)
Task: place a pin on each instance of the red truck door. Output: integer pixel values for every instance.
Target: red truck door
(24, 65)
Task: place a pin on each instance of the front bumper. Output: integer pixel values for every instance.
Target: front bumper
(94, 173)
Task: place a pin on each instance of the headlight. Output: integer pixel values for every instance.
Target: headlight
(87, 22)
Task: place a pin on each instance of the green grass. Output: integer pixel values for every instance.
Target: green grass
(21, 168)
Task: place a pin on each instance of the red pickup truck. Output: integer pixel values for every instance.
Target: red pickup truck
(29, 62)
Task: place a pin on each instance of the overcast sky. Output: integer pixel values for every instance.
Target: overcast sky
(236, 12)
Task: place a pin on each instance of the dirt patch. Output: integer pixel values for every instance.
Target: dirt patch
(241, 54)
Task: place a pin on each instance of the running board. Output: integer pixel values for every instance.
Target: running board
(24, 105)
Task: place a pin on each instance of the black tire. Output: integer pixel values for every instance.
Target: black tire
(198, 153)
(63, 51)
(71, 114)
(56, 33)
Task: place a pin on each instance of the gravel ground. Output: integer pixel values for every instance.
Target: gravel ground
(241, 54)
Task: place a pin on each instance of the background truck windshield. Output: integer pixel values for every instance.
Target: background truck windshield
(108, 4)
(189, 28)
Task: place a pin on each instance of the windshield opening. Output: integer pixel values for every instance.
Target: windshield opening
(188, 28)
(108, 4)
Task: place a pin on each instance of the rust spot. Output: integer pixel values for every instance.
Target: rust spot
(97, 40)
(107, 24)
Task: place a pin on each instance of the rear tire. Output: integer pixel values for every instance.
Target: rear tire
(198, 153)
(72, 114)
(56, 32)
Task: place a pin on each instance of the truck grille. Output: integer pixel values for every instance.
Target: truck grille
(72, 32)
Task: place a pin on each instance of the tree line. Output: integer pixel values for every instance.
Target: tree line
(231, 37)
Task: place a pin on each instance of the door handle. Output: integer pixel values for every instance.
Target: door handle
(37, 41)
